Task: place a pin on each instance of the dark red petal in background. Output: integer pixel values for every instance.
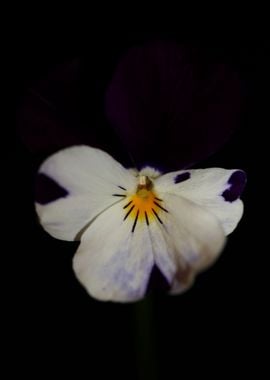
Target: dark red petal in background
(172, 106)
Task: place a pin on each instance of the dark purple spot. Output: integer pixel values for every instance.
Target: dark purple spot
(182, 177)
(237, 183)
(157, 281)
(47, 190)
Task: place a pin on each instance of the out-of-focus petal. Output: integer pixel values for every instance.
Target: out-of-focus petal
(63, 109)
(171, 107)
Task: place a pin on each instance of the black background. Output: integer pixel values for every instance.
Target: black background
(218, 325)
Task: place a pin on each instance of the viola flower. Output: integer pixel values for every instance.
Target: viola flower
(129, 221)
(181, 98)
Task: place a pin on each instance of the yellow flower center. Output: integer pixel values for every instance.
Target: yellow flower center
(144, 205)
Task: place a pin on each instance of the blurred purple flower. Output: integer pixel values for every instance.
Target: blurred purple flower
(166, 105)
(170, 106)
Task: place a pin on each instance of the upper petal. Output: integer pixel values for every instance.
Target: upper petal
(82, 169)
(63, 108)
(93, 181)
(167, 98)
(112, 262)
(216, 189)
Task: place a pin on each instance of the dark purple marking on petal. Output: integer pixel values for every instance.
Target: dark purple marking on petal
(156, 215)
(172, 105)
(237, 183)
(47, 190)
(181, 177)
(157, 281)
(129, 211)
(135, 221)
(162, 208)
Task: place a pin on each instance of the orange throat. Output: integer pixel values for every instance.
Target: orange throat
(144, 206)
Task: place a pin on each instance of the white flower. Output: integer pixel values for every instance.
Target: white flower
(129, 221)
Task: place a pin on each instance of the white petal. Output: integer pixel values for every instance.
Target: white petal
(82, 169)
(163, 251)
(66, 218)
(91, 178)
(112, 262)
(173, 267)
(205, 187)
(193, 235)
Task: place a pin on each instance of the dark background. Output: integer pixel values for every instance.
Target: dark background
(218, 325)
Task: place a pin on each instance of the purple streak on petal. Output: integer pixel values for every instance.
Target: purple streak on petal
(170, 106)
(157, 281)
(182, 177)
(47, 190)
(237, 183)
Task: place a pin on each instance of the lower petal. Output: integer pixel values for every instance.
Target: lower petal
(163, 251)
(194, 236)
(112, 262)
(175, 269)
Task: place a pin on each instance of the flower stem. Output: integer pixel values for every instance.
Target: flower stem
(145, 339)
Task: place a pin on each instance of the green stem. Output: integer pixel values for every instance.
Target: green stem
(145, 340)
